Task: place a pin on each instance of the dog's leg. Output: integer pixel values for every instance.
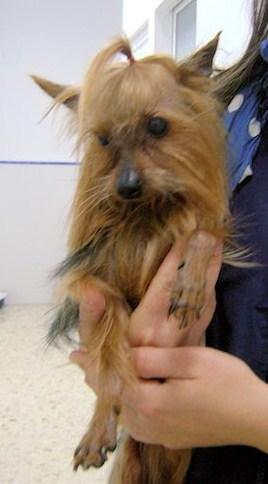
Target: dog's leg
(114, 368)
(188, 294)
(101, 436)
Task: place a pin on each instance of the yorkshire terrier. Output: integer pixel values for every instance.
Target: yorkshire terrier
(152, 173)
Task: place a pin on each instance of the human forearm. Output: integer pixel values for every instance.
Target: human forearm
(254, 417)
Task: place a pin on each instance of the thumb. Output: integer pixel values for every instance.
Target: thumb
(88, 365)
(156, 300)
(80, 358)
(152, 311)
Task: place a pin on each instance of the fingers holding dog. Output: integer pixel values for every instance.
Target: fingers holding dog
(150, 324)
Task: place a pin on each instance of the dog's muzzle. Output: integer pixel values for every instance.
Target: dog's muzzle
(129, 184)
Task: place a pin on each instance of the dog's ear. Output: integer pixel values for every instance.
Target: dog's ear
(201, 62)
(67, 95)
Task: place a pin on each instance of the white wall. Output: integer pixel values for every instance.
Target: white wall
(135, 12)
(230, 16)
(56, 39)
(34, 203)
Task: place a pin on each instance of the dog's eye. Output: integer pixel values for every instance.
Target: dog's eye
(103, 140)
(157, 126)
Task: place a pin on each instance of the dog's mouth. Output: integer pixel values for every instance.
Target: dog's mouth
(156, 205)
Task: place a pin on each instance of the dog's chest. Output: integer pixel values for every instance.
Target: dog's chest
(128, 262)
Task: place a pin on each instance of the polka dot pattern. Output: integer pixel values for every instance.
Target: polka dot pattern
(248, 172)
(236, 103)
(254, 128)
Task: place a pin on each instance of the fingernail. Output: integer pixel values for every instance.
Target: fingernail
(76, 354)
(73, 355)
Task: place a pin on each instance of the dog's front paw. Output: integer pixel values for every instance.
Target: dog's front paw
(188, 295)
(186, 303)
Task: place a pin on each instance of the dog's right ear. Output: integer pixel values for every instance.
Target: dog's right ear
(67, 95)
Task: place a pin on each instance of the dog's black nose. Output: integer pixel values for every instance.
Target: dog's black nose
(129, 184)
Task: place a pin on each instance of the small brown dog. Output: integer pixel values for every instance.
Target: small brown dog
(152, 173)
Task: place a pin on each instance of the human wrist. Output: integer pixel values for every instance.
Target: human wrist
(253, 417)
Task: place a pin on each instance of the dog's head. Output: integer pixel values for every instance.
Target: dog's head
(150, 130)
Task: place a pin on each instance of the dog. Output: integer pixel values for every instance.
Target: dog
(152, 173)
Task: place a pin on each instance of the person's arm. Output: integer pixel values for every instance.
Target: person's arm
(209, 397)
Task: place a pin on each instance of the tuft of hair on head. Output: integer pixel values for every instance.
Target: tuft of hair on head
(69, 95)
(120, 45)
(126, 50)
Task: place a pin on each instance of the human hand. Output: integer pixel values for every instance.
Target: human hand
(149, 323)
(208, 398)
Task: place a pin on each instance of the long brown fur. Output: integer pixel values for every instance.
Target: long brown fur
(117, 245)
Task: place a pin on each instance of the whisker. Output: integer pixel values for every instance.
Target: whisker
(86, 205)
(199, 115)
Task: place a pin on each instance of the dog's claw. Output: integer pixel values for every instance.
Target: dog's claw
(111, 448)
(77, 451)
(175, 304)
(172, 308)
(186, 304)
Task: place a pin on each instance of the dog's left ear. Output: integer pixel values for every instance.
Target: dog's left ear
(201, 62)
(67, 95)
